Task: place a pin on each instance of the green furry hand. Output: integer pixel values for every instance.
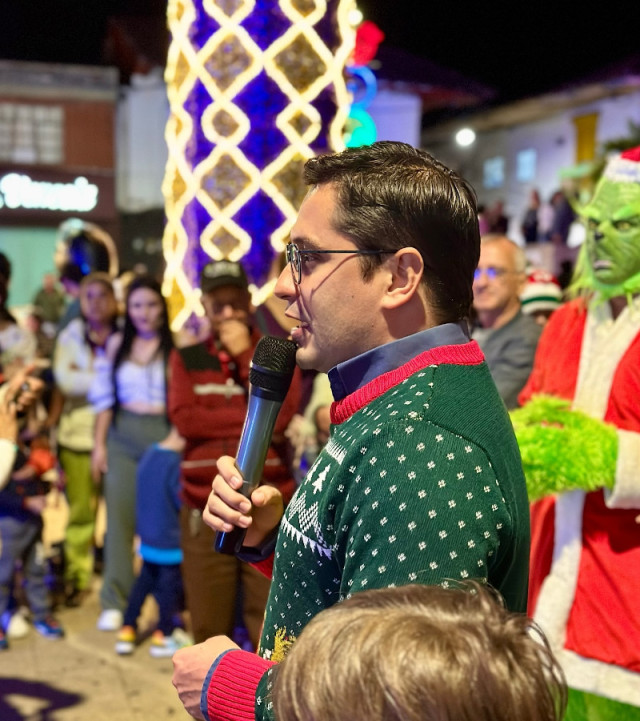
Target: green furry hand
(563, 450)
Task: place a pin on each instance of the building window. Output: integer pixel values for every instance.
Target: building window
(493, 175)
(526, 165)
(31, 134)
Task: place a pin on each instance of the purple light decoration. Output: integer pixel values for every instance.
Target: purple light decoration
(261, 100)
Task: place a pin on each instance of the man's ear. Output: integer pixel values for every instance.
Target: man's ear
(406, 268)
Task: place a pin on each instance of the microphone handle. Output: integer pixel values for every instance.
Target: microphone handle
(255, 440)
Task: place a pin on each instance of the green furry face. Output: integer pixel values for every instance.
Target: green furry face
(612, 219)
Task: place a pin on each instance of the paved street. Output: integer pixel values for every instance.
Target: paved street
(80, 678)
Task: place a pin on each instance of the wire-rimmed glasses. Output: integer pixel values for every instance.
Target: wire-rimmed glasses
(294, 257)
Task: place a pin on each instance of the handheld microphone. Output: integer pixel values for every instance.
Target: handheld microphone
(272, 367)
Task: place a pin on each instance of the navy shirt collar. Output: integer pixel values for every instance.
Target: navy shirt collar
(354, 373)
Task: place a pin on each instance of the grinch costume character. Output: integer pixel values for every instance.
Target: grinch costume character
(579, 435)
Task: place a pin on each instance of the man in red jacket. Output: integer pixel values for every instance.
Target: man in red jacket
(207, 403)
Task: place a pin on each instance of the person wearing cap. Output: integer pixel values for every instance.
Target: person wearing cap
(207, 404)
(579, 435)
(541, 295)
(508, 337)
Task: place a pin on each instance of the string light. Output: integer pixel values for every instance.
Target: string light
(255, 88)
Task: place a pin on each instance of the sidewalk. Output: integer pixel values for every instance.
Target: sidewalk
(80, 677)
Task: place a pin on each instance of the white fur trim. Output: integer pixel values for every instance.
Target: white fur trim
(603, 679)
(558, 589)
(626, 491)
(622, 170)
(604, 343)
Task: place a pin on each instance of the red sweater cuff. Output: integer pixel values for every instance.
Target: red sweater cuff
(231, 695)
(265, 567)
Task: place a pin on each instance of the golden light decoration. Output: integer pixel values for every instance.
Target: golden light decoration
(255, 87)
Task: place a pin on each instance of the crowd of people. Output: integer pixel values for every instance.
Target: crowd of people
(442, 385)
(136, 418)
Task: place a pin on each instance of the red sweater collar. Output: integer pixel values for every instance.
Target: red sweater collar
(464, 354)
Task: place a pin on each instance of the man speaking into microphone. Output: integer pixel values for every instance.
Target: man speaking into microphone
(208, 392)
(421, 479)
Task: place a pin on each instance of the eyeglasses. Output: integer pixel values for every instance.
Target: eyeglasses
(295, 257)
(491, 272)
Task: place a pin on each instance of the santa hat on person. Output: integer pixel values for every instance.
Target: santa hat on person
(541, 293)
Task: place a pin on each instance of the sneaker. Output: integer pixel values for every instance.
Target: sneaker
(15, 624)
(4, 643)
(126, 642)
(110, 620)
(165, 646)
(49, 627)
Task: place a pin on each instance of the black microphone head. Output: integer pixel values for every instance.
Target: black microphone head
(273, 364)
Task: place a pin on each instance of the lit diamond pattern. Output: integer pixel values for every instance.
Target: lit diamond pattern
(255, 88)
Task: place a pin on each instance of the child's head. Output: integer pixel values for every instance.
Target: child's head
(97, 298)
(420, 653)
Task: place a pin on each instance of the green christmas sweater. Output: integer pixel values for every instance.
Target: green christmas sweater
(420, 482)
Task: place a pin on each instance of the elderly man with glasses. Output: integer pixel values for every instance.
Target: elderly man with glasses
(420, 480)
(507, 336)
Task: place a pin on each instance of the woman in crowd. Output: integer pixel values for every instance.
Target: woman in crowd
(129, 396)
(74, 361)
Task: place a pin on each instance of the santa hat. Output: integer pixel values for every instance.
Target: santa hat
(541, 293)
(624, 168)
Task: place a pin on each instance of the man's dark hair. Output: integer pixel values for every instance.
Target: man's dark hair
(391, 196)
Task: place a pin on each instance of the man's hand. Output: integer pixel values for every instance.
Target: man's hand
(235, 337)
(226, 507)
(190, 668)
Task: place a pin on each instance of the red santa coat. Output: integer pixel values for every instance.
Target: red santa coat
(585, 571)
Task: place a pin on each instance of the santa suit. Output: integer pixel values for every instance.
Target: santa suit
(585, 572)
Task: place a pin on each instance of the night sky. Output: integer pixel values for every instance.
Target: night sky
(517, 48)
